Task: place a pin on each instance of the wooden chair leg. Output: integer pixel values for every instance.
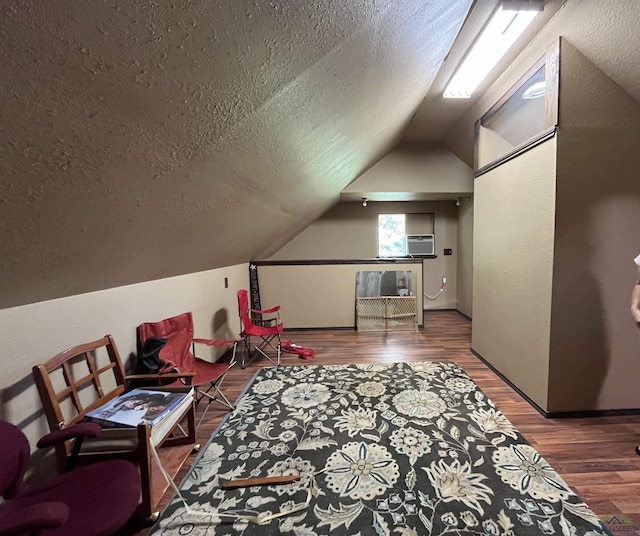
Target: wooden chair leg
(144, 460)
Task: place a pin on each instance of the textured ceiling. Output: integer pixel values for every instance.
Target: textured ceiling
(145, 139)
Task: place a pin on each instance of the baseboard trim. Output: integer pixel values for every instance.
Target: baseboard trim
(511, 384)
(593, 413)
(559, 414)
(352, 328)
(427, 311)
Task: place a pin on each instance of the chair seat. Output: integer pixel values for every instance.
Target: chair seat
(98, 503)
(179, 350)
(262, 331)
(206, 372)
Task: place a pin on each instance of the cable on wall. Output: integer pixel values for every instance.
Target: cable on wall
(444, 284)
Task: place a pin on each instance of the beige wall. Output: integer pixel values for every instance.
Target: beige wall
(464, 279)
(33, 333)
(491, 146)
(415, 168)
(594, 346)
(322, 296)
(514, 208)
(350, 231)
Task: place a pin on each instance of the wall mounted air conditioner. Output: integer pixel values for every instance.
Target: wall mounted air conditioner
(421, 245)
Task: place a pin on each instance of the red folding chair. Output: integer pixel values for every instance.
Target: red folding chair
(179, 350)
(266, 329)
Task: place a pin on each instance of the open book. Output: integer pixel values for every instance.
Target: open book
(139, 406)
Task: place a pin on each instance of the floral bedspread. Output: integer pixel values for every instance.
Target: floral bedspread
(404, 449)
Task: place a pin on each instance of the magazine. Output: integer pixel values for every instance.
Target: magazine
(136, 406)
(160, 431)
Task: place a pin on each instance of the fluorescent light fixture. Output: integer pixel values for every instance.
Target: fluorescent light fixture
(535, 91)
(505, 26)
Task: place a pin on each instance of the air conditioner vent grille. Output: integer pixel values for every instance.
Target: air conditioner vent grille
(420, 244)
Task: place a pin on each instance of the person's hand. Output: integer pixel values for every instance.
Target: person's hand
(635, 314)
(635, 299)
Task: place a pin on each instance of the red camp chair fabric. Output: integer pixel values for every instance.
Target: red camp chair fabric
(179, 350)
(266, 331)
(303, 353)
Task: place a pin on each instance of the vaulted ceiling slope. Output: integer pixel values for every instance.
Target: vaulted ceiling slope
(142, 139)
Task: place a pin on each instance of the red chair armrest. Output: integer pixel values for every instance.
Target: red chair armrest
(159, 376)
(82, 429)
(266, 311)
(217, 342)
(186, 376)
(31, 519)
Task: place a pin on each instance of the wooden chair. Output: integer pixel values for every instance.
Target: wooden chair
(87, 376)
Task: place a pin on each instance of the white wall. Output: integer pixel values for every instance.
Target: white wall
(33, 333)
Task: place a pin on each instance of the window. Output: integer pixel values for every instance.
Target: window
(394, 228)
(391, 235)
(525, 116)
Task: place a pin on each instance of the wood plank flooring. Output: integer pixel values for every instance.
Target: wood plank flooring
(595, 456)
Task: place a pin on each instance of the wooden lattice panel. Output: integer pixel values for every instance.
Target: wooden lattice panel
(386, 313)
(370, 314)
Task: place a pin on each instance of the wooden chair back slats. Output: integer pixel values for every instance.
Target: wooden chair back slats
(66, 365)
(95, 377)
(73, 386)
(87, 376)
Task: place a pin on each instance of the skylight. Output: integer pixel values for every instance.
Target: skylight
(504, 27)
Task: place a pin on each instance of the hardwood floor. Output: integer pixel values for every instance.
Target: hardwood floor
(595, 456)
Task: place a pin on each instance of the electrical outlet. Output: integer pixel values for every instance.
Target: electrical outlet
(226, 282)
(444, 279)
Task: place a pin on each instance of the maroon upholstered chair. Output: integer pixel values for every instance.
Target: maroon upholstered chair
(266, 329)
(179, 349)
(95, 500)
